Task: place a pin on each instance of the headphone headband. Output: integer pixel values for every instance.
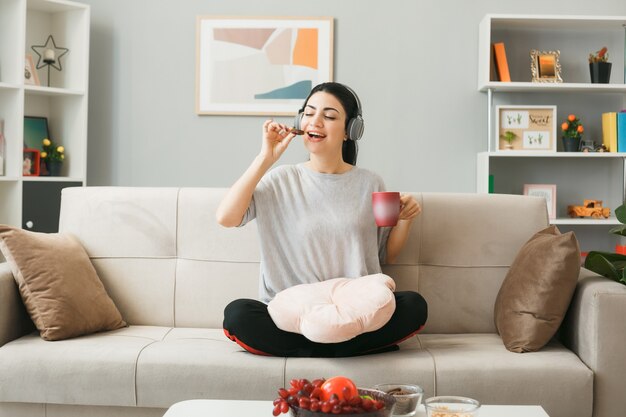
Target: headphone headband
(359, 112)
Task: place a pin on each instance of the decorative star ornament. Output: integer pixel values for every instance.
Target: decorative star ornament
(47, 57)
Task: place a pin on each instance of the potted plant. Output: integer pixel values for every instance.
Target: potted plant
(599, 67)
(610, 265)
(509, 137)
(53, 156)
(572, 133)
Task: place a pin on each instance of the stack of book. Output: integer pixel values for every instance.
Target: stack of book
(614, 131)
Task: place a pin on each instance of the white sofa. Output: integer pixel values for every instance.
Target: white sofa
(171, 270)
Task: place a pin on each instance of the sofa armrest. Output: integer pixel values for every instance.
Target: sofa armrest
(595, 329)
(14, 320)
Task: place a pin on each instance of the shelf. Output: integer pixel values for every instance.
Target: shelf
(51, 91)
(8, 86)
(54, 6)
(556, 22)
(577, 175)
(64, 103)
(40, 179)
(51, 179)
(611, 221)
(523, 87)
(538, 154)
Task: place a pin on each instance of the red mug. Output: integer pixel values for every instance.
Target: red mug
(386, 206)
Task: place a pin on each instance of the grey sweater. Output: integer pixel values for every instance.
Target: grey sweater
(315, 226)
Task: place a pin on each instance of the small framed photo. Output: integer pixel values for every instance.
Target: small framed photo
(526, 128)
(30, 72)
(545, 66)
(547, 191)
(31, 162)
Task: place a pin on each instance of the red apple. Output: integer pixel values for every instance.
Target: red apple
(343, 387)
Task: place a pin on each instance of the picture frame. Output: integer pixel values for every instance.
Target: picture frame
(534, 128)
(545, 66)
(31, 163)
(30, 72)
(547, 191)
(289, 55)
(35, 131)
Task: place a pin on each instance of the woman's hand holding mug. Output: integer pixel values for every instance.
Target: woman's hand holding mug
(409, 207)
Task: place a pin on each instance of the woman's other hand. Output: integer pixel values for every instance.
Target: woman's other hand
(276, 138)
(409, 207)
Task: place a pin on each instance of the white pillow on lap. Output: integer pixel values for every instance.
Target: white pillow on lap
(335, 310)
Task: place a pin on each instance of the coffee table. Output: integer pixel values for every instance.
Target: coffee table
(239, 408)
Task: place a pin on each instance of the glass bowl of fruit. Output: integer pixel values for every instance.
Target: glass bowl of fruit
(332, 396)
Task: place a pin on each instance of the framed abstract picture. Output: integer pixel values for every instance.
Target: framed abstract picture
(260, 65)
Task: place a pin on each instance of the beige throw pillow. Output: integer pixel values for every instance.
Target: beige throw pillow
(58, 284)
(537, 290)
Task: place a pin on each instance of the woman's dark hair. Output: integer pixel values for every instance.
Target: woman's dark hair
(349, 149)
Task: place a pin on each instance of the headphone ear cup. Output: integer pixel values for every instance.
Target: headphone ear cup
(297, 122)
(356, 127)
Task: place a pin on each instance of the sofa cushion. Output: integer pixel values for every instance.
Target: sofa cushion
(192, 363)
(335, 310)
(58, 284)
(97, 369)
(479, 366)
(537, 290)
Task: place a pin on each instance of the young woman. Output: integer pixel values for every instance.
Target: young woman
(315, 223)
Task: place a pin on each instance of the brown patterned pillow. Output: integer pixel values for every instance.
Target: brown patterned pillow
(58, 284)
(537, 290)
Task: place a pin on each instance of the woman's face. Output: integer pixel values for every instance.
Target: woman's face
(324, 123)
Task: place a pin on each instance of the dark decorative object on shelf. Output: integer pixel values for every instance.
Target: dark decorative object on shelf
(50, 56)
(600, 67)
(571, 144)
(54, 168)
(600, 72)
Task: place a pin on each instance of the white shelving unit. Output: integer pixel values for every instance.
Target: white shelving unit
(24, 23)
(577, 175)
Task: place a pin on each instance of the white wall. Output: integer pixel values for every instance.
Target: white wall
(413, 63)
